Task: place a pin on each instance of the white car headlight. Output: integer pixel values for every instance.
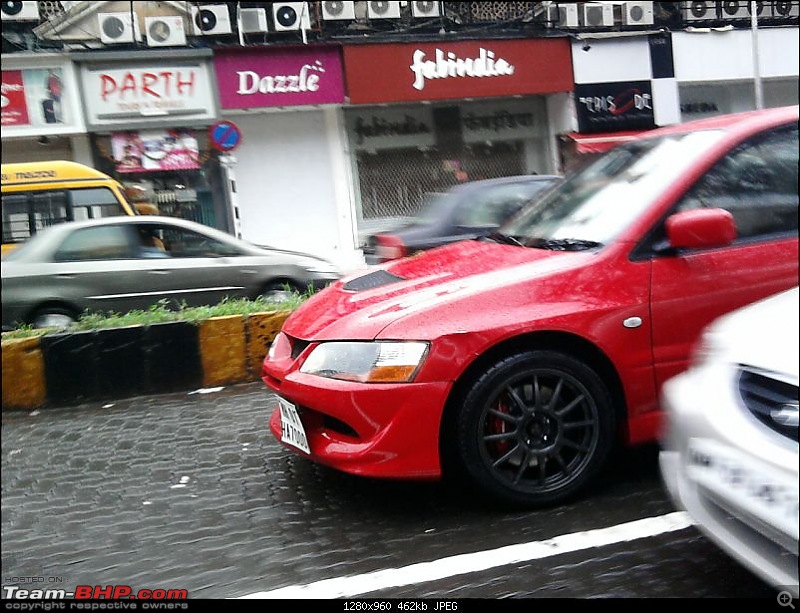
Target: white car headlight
(367, 362)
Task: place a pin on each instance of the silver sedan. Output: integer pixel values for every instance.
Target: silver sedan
(120, 264)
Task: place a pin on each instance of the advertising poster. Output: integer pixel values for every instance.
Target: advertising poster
(33, 97)
(155, 151)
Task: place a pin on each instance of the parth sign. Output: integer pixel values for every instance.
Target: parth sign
(124, 94)
(464, 69)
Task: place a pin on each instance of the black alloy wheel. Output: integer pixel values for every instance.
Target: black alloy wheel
(534, 428)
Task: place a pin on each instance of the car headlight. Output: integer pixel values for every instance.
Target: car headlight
(366, 362)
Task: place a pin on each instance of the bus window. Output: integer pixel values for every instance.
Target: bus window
(49, 209)
(95, 203)
(16, 222)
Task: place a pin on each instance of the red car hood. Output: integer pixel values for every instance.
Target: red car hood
(360, 306)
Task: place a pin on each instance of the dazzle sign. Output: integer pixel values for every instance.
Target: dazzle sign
(280, 77)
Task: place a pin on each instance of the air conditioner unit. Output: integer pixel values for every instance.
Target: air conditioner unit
(210, 20)
(637, 14)
(118, 27)
(20, 11)
(288, 16)
(253, 20)
(383, 10)
(562, 15)
(699, 11)
(598, 15)
(734, 10)
(332, 11)
(423, 10)
(164, 31)
(785, 9)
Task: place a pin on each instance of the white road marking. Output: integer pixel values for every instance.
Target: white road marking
(344, 587)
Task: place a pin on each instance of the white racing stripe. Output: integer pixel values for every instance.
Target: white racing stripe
(344, 587)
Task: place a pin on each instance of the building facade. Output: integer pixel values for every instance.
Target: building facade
(346, 114)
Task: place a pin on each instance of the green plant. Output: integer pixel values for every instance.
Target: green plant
(164, 311)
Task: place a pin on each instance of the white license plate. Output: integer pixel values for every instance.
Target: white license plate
(746, 483)
(292, 431)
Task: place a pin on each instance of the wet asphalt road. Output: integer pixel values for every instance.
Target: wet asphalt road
(191, 492)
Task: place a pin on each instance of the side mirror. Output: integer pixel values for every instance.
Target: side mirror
(700, 228)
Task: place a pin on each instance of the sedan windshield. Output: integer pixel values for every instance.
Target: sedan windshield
(592, 207)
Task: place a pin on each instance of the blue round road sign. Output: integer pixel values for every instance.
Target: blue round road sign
(225, 136)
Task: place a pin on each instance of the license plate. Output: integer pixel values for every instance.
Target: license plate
(746, 483)
(292, 431)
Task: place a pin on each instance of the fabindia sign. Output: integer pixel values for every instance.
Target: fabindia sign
(123, 94)
(461, 69)
(279, 77)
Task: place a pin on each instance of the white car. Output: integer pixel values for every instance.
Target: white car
(730, 451)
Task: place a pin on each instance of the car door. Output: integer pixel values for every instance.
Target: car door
(98, 268)
(199, 269)
(757, 183)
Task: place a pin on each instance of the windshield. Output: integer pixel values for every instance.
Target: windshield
(592, 207)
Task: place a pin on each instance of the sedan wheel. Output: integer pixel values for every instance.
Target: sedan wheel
(53, 318)
(535, 428)
(280, 292)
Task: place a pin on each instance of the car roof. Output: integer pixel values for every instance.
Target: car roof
(480, 183)
(743, 123)
(71, 226)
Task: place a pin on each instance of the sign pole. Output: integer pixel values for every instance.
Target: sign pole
(228, 163)
(759, 93)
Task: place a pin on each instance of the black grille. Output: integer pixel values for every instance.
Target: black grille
(371, 281)
(764, 396)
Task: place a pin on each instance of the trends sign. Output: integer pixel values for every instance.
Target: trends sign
(613, 107)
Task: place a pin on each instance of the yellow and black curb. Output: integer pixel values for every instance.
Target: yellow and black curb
(64, 368)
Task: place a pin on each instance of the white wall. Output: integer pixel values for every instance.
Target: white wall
(287, 191)
(713, 56)
(609, 61)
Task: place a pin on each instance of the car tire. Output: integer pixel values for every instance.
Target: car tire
(53, 317)
(534, 429)
(280, 291)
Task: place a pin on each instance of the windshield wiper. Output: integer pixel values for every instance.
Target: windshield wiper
(505, 239)
(562, 244)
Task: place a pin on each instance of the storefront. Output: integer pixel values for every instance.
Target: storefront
(727, 81)
(42, 118)
(623, 86)
(148, 119)
(292, 169)
(427, 116)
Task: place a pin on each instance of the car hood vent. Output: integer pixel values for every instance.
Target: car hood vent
(372, 280)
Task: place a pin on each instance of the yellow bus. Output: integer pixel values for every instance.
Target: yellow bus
(41, 194)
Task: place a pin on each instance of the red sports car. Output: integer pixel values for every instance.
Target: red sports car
(517, 361)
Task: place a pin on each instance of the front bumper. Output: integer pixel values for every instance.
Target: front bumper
(374, 430)
(737, 480)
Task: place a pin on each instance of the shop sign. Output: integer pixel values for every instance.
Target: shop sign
(391, 129)
(459, 69)
(282, 77)
(155, 150)
(502, 121)
(121, 95)
(34, 97)
(612, 107)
